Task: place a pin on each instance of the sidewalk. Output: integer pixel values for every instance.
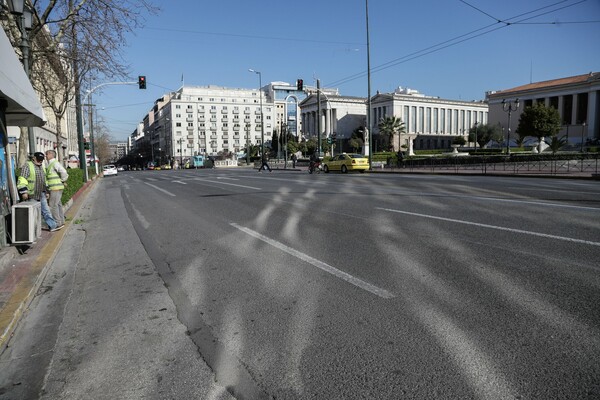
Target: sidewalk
(22, 274)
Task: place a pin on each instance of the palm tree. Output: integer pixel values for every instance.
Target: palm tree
(555, 143)
(390, 126)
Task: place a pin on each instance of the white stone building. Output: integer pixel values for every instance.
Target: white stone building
(208, 120)
(430, 122)
(577, 99)
(340, 115)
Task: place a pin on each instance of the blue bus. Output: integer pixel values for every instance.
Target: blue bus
(197, 162)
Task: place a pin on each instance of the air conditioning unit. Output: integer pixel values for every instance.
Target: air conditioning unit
(26, 222)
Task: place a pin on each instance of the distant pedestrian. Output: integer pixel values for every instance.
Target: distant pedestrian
(264, 164)
(294, 159)
(56, 180)
(400, 159)
(31, 185)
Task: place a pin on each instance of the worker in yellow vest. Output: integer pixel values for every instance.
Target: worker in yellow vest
(56, 179)
(32, 186)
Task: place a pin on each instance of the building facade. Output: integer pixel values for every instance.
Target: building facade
(340, 115)
(207, 120)
(286, 100)
(430, 122)
(577, 99)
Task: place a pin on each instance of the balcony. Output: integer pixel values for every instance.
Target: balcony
(213, 111)
(213, 137)
(201, 119)
(213, 128)
(190, 137)
(236, 128)
(246, 111)
(224, 111)
(189, 119)
(236, 111)
(190, 128)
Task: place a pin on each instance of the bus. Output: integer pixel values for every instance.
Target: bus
(197, 162)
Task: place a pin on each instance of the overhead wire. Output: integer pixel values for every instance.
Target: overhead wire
(456, 40)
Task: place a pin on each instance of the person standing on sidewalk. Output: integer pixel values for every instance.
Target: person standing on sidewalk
(32, 185)
(56, 180)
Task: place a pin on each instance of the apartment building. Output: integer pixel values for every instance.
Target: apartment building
(208, 120)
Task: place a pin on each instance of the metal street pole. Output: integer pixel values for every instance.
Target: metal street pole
(262, 125)
(319, 117)
(370, 135)
(475, 136)
(582, 131)
(509, 106)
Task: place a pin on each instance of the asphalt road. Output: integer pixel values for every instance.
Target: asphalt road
(371, 286)
(364, 286)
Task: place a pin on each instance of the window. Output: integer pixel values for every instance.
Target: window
(178, 124)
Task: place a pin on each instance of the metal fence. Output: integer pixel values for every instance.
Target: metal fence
(584, 165)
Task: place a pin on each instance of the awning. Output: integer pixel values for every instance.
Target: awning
(24, 107)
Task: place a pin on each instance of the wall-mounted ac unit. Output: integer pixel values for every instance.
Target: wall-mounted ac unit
(26, 222)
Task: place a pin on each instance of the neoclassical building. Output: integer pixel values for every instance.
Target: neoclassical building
(430, 122)
(577, 99)
(340, 115)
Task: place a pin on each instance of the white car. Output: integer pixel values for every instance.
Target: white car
(108, 170)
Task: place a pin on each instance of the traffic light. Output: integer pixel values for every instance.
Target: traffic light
(142, 82)
(86, 145)
(300, 84)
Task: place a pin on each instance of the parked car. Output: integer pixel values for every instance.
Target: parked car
(346, 162)
(109, 169)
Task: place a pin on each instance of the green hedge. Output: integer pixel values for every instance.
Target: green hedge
(75, 182)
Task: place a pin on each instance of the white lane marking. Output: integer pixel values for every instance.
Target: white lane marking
(152, 179)
(319, 264)
(500, 228)
(225, 183)
(180, 182)
(162, 190)
(139, 216)
(232, 179)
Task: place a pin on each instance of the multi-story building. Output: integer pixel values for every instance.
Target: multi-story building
(577, 99)
(430, 122)
(286, 99)
(208, 120)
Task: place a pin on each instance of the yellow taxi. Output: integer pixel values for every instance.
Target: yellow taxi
(346, 162)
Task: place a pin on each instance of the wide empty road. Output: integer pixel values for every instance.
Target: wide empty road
(331, 286)
(380, 286)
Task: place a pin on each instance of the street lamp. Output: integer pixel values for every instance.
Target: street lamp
(180, 153)
(509, 106)
(476, 135)
(262, 121)
(24, 22)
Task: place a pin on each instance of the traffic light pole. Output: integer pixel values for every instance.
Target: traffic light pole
(83, 164)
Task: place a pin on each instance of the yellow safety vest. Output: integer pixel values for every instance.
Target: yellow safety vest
(29, 181)
(52, 178)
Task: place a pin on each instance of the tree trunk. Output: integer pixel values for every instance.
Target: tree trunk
(22, 156)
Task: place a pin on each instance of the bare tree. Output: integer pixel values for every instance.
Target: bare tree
(90, 33)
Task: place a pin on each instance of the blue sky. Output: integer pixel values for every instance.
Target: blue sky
(215, 42)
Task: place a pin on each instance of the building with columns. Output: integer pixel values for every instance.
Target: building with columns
(340, 115)
(576, 98)
(430, 122)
